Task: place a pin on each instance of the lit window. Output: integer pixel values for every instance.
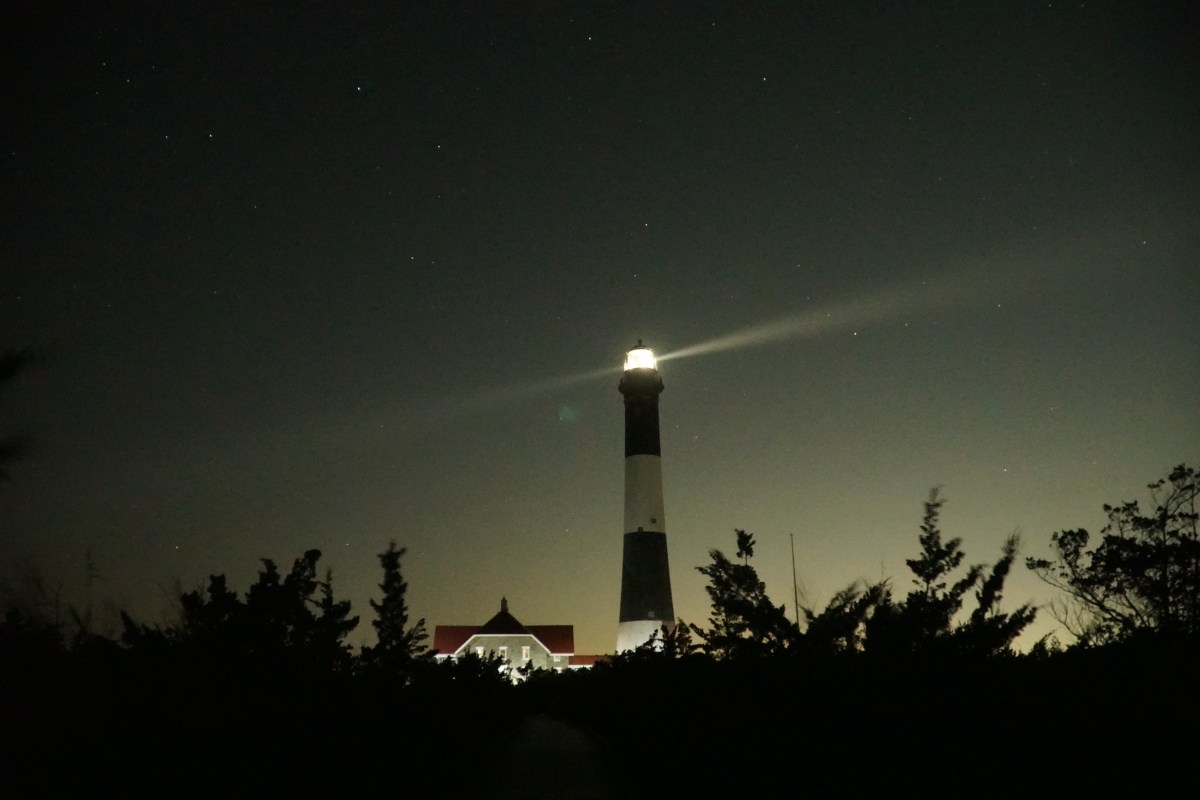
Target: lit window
(525, 652)
(503, 651)
(479, 652)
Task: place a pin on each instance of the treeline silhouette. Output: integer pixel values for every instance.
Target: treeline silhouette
(259, 693)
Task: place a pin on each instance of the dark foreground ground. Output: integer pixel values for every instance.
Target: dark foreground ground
(1074, 724)
(549, 758)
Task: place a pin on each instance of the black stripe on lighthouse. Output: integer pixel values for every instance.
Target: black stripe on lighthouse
(645, 576)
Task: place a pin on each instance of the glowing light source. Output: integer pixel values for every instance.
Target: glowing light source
(640, 357)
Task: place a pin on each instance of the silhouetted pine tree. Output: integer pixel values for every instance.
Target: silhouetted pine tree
(282, 621)
(400, 646)
(989, 631)
(215, 628)
(841, 627)
(925, 621)
(743, 620)
(330, 629)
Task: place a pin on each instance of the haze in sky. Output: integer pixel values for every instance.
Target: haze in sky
(327, 276)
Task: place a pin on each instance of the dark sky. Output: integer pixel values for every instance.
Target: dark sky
(333, 274)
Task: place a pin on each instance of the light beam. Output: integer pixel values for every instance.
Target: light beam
(902, 301)
(876, 307)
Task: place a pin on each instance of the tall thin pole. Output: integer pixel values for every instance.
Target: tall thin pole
(795, 591)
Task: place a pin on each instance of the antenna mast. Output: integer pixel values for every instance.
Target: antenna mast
(795, 591)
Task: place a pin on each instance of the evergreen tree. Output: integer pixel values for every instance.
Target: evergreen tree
(931, 607)
(400, 646)
(841, 627)
(745, 545)
(990, 631)
(743, 620)
(269, 616)
(332, 625)
(216, 627)
(926, 620)
(677, 641)
(281, 621)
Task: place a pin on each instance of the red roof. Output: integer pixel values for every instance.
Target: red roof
(448, 638)
(557, 638)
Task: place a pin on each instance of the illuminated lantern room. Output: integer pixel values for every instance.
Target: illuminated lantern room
(640, 357)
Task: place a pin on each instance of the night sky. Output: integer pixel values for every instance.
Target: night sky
(334, 274)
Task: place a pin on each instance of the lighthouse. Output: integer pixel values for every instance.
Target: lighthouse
(645, 577)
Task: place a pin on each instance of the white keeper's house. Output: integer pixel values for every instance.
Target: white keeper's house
(543, 646)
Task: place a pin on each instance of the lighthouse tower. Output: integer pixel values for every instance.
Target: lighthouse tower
(645, 578)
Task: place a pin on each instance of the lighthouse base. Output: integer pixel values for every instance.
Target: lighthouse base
(645, 589)
(632, 635)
